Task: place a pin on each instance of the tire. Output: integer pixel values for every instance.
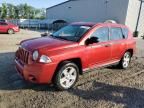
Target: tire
(10, 31)
(66, 76)
(125, 61)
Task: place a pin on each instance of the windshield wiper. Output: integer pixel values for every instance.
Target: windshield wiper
(60, 37)
(52, 35)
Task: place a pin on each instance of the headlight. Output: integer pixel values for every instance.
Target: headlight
(35, 55)
(45, 59)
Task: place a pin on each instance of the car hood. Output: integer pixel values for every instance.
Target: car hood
(45, 42)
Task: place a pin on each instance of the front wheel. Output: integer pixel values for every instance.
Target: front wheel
(10, 31)
(125, 61)
(67, 76)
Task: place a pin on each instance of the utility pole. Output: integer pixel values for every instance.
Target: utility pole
(106, 2)
(139, 14)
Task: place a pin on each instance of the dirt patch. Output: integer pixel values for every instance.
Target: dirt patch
(101, 88)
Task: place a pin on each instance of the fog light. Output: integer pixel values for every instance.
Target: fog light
(32, 78)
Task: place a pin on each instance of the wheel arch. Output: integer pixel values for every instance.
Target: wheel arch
(10, 29)
(131, 51)
(77, 61)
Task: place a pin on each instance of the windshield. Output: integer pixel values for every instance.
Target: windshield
(71, 32)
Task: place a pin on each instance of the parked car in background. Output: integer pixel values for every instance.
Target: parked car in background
(9, 28)
(73, 50)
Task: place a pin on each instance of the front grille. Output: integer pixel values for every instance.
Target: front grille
(22, 55)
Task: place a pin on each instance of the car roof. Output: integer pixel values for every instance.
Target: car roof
(116, 25)
(91, 24)
(84, 23)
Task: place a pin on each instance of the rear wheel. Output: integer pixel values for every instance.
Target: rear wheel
(10, 31)
(125, 61)
(66, 76)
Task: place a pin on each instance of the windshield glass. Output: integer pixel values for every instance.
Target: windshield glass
(71, 32)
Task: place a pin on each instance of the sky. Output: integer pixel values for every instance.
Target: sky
(34, 3)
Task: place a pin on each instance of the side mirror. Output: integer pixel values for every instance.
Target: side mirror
(46, 34)
(92, 40)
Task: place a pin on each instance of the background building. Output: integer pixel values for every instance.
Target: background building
(122, 11)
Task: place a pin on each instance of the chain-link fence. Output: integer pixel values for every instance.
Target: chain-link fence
(51, 27)
(37, 25)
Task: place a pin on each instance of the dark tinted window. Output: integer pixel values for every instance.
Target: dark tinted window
(125, 32)
(102, 34)
(116, 34)
(3, 23)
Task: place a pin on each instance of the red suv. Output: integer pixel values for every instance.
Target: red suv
(10, 28)
(73, 50)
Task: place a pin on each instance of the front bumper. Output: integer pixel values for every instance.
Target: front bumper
(16, 29)
(37, 72)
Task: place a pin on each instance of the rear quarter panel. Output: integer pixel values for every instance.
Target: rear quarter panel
(131, 42)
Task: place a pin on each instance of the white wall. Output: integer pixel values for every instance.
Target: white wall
(90, 10)
(141, 22)
(132, 14)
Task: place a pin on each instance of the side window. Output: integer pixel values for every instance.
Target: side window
(3, 23)
(116, 34)
(102, 34)
(125, 32)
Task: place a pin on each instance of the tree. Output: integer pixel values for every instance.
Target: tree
(27, 10)
(4, 11)
(16, 13)
(0, 11)
(11, 11)
(40, 13)
(31, 12)
(21, 11)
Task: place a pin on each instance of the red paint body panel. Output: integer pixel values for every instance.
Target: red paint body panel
(42, 72)
(5, 28)
(91, 56)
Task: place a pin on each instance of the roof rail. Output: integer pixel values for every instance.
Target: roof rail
(110, 21)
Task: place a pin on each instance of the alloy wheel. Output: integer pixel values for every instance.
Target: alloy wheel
(126, 59)
(68, 77)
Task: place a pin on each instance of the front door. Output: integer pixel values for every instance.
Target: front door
(3, 27)
(100, 50)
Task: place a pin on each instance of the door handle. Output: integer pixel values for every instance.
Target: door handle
(122, 43)
(107, 45)
(104, 45)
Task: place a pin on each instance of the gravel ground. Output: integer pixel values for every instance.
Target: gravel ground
(101, 88)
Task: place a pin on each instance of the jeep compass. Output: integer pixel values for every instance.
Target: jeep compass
(71, 51)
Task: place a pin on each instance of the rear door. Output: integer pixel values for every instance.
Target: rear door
(3, 27)
(118, 42)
